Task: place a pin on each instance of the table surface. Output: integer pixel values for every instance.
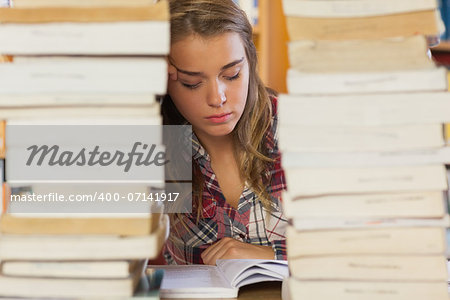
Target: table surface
(263, 290)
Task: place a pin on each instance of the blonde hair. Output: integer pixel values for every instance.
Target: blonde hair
(209, 18)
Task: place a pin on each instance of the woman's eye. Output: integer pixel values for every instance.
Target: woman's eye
(191, 86)
(234, 77)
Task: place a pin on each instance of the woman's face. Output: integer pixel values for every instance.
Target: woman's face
(208, 82)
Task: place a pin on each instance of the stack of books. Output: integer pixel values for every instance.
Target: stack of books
(72, 61)
(81, 262)
(79, 68)
(361, 134)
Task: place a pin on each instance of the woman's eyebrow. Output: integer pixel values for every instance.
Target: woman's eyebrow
(231, 64)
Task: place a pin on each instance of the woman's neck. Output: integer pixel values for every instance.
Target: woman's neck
(225, 166)
(217, 145)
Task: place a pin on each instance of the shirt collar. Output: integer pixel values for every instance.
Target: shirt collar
(198, 151)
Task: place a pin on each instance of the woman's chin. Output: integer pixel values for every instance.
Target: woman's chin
(216, 131)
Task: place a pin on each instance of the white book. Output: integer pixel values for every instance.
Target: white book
(358, 223)
(153, 119)
(42, 287)
(220, 281)
(366, 240)
(80, 3)
(68, 99)
(367, 290)
(367, 82)
(351, 8)
(422, 204)
(359, 139)
(311, 182)
(84, 75)
(370, 267)
(364, 109)
(72, 269)
(90, 38)
(390, 54)
(77, 113)
(430, 156)
(81, 247)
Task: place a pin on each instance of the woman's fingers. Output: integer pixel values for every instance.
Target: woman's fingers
(217, 251)
(228, 248)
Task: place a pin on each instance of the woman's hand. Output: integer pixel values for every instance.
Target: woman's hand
(229, 248)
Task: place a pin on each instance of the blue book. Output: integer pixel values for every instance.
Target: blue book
(445, 10)
(149, 285)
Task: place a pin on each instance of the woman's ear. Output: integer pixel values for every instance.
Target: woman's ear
(173, 73)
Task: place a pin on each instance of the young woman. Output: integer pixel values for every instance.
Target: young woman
(213, 85)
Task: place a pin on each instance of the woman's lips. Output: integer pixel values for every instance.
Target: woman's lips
(220, 118)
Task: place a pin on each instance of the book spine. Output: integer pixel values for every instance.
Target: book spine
(294, 159)
(157, 12)
(69, 38)
(310, 182)
(366, 240)
(355, 290)
(368, 206)
(348, 139)
(79, 76)
(384, 26)
(371, 267)
(373, 82)
(354, 9)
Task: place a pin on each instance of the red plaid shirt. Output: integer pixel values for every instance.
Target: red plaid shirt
(250, 222)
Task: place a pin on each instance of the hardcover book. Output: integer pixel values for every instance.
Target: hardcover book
(220, 281)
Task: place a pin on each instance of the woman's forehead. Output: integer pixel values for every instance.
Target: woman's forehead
(195, 51)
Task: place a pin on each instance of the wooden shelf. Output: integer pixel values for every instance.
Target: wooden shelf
(256, 30)
(272, 44)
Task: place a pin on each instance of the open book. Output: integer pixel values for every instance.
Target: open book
(220, 281)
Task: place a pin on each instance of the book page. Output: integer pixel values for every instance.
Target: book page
(241, 272)
(194, 281)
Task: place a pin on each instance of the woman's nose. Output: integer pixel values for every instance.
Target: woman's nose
(217, 95)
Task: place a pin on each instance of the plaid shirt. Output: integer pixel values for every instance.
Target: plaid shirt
(250, 222)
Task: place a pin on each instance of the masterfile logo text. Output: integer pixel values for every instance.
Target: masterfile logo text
(140, 154)
(107, 153)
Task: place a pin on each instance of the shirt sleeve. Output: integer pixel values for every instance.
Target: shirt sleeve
(279, 248)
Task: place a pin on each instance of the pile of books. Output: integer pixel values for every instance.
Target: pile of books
(78, 66)
(361, 134)
(83, 61)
